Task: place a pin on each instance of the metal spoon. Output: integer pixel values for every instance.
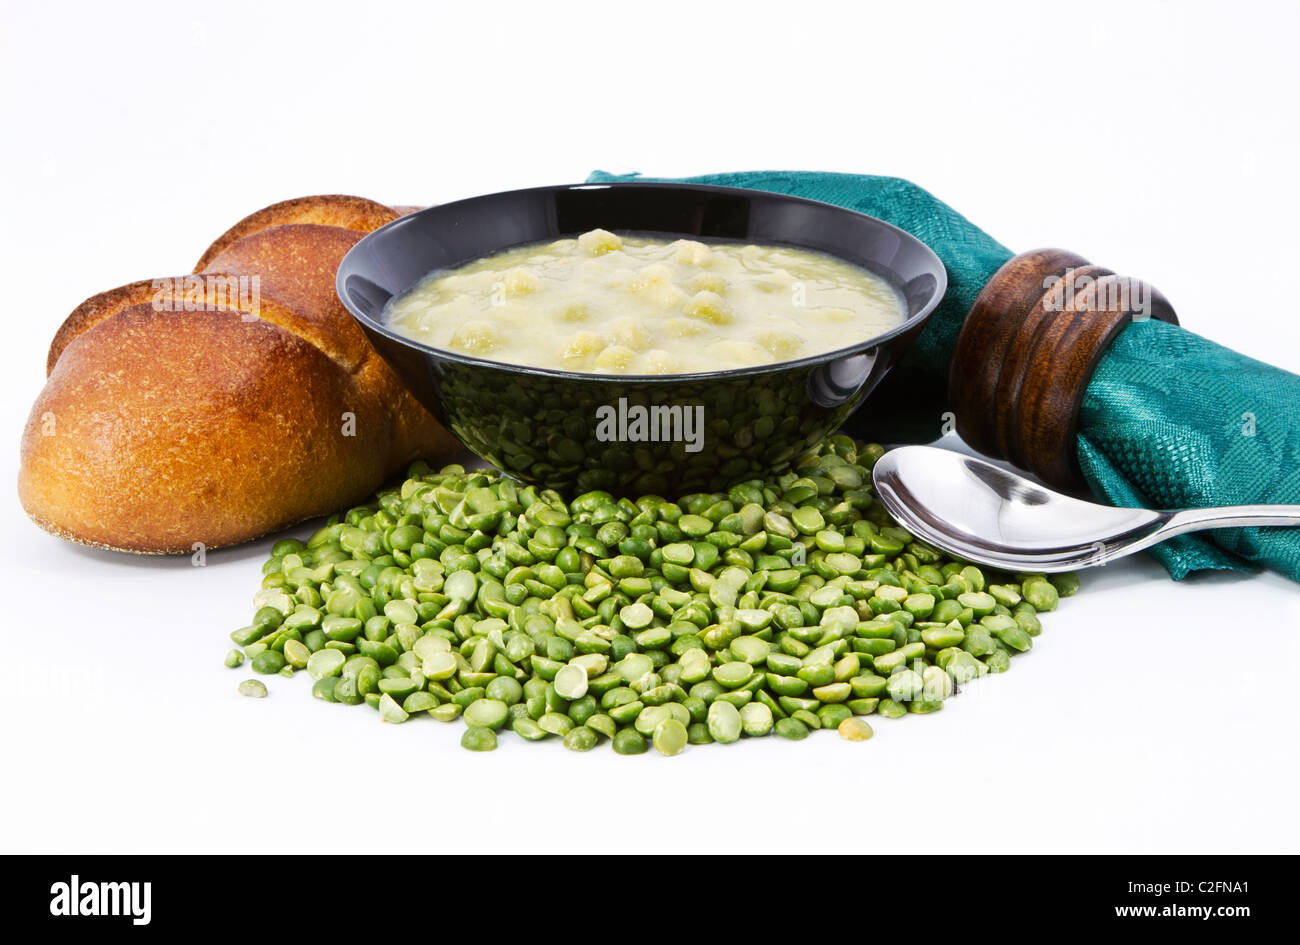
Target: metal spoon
(979, 511)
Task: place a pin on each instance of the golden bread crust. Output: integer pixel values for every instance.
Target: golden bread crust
(159, 428)
(341, 210)
(139, 442)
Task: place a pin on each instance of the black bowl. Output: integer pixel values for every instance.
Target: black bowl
(543, 426)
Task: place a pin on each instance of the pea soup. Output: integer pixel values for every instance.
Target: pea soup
(609, 304)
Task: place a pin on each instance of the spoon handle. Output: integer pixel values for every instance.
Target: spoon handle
(1231, 516)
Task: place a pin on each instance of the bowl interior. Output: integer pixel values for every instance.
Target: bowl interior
(392, 259)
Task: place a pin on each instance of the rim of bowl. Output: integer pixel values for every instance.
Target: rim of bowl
(908, 323)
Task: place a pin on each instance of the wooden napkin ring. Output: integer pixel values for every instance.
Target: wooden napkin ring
(1027, 351)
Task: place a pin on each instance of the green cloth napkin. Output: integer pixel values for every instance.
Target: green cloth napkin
(1169, 420)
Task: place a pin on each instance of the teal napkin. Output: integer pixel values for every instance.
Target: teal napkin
(1169, 420)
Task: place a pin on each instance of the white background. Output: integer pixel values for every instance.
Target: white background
(1157, 139)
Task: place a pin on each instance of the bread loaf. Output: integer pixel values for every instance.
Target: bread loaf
(213, 408)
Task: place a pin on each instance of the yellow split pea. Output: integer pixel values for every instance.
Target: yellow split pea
(610, 304)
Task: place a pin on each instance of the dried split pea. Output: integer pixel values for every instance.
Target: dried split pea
(854, 729)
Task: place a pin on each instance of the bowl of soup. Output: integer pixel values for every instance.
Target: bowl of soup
(640, 338)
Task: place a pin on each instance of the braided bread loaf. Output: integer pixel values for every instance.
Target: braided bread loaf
(217, 407)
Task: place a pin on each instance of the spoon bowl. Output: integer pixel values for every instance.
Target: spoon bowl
(985, 513)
